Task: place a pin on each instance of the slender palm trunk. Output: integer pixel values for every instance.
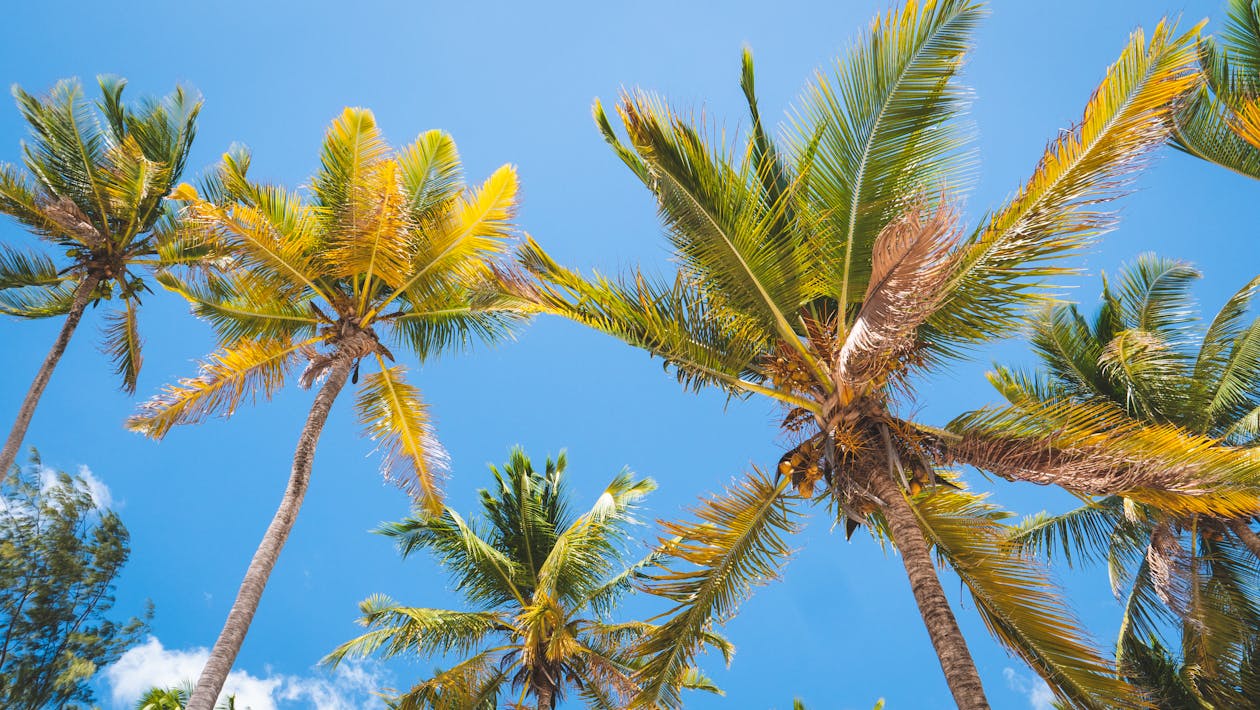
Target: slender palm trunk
(1242, 529)
(947, 638)
(82, 295)
(223, 655)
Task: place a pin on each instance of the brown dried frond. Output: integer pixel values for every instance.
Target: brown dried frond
(912, 260)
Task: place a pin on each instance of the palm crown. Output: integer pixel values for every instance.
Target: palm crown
(826, 272)
(388, 252)
(542, 581)
(1142, 357)
(93, 186)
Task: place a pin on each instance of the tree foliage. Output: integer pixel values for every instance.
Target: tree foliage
(59, 556)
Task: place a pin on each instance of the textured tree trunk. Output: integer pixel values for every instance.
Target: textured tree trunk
(223, 655)
(947, 639)
(82, 294)
(1242, 528)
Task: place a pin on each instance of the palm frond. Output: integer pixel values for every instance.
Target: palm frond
(453, 318)
(239, 305)
(1018, 602)
(395, 629)
(1059, 209)
(704, 342)
(886, 123)
(431, 172)
(394, 416)
(1088, 532)
(737, 542)
(123, 342)
(1094, 448)
(718, 220)
(227, 378)
(484, 574)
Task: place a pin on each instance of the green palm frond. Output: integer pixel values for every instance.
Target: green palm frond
(1154, 293)
(887, 127)
(718, 221)
(584, 554)
(1017, 601)
(736, 543)
(482, 573)
(705, 343)
(395, 629)
(1088, 532)
(123, 342)
(1058, 211)
(452, 319)
(431, 171)
(239, 305)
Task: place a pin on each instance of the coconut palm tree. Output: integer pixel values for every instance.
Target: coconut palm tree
(175, 699)
(1143, 357)
(1221, 121)
(389, 248)
(92, 188)
(829, 273)
(542, 582)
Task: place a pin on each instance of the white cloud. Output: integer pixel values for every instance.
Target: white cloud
(1040, 697)
(150, 664)
(100, 492)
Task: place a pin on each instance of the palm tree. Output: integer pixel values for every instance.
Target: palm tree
(830, 275)
(1221, 121)
(92, 187)
(1142, 357)
(389, 248)
(543, 583)
(176, 698)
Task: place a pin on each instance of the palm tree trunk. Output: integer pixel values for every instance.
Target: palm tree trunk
(223, 655)
(82, 295)
(1248, 537)
(947, 638)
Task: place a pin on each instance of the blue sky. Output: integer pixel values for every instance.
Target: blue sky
(513, 82)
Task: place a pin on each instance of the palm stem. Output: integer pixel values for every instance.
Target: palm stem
(82, 296)
(228, 645)
(947, 639)
(1242, 529)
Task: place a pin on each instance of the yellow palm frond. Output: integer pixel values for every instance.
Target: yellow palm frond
(227, 377)
(459, 240)
(272, 235)
(393, 415)
(1058, 210)
(1094, 448)
(377, 246)
(736, 543)
(352, 153)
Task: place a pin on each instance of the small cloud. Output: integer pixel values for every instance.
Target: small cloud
(100, 492)
(1040, 697)
(150, 664)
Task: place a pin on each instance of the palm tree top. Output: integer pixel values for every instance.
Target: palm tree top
(542, 581)
(92, 183)
(389, 248)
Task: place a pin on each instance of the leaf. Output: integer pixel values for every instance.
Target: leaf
(1017, 601)
(394, 416)
(123, 342)
(228, 377)
(1059, 210)
(737, 542)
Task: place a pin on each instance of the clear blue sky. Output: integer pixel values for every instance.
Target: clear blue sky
(514, 82)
